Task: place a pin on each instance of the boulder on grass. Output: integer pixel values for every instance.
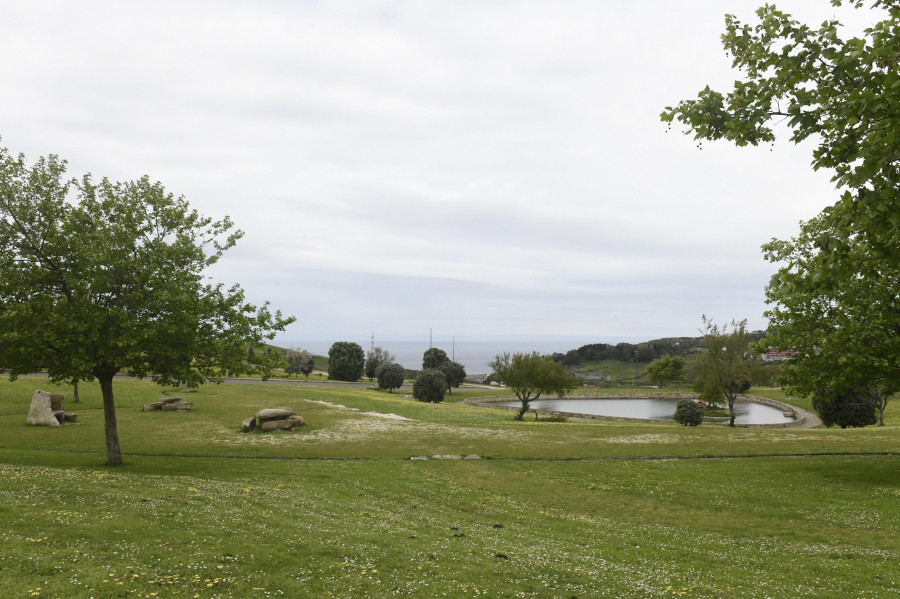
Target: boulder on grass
(274, 414)
(153, 405)
(41, 412)
(56, 402)
(248, 424)
(286, 424)
(181, 406)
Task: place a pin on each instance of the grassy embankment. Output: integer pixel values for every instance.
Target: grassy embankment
(338, 509)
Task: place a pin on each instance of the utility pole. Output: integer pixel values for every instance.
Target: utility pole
(429, 337)
(454, 348)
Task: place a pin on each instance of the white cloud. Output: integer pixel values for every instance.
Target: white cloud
(496, 167)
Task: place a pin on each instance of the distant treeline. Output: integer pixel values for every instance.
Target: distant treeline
(646, 351)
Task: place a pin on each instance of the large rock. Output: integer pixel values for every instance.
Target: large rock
(274, 414)
(56, 402)
(181, 406)
(41, 412)
(153, 405)
(248, 424)
(286, 424)
(169, 399)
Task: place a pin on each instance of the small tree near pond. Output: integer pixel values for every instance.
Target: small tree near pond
(727, 359)
(532, 375)
(688, 412)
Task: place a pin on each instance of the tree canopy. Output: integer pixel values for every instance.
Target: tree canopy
(346, 361)
(666, 368)
(530, 376)
(375, 357)
(434, 358)
(112, 280)
(727, 361)
(299, 361)
(835, 305)
(390, 376)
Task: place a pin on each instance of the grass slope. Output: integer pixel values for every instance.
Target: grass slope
(337, 509)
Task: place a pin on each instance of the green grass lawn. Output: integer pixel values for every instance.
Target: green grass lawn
(337, 508)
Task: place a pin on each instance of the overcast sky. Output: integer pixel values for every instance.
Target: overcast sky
(477, 168)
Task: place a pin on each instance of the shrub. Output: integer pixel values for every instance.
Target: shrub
(688, 412)
(390, 376)
(430, 385)
(847, 407)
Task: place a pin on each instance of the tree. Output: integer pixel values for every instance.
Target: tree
(727, 359)
(346, 361)
(666, 368)
(847, 407)
(299, 361)
(390, 376)
(434, 358)
(375, 357)
(841, 330)
(835, 306)
(454, 373)
(532, 375)
(112, 281)
(688, 413)
(429, 385)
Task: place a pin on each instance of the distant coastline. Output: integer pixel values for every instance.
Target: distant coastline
(474, 355)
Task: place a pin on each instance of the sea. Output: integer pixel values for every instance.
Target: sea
(474, 355)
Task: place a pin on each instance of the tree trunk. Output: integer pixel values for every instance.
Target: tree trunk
(113, 452)
(731, 410)
(75, 392)
(521, 414)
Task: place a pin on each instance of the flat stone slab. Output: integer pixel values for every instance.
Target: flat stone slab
(56, 401)
(446, 457)
(153, 405)
(70, 417)
(274, 414)
(181, 406)
(419, 457)
(169, 399)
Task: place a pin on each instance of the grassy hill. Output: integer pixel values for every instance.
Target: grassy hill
(338, 509)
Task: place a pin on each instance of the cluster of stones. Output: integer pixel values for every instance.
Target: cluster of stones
(272, 419)
(47, 410)
(169, 403)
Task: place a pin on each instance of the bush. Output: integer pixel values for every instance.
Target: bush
(430, 385)
(688, 412)
(847, 407)
(390, 376)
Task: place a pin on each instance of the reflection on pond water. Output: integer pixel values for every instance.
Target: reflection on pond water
(652, 409)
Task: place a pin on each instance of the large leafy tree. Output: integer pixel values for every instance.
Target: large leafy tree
(835, 300)
(346, 361)
(530, 376)
(102, 278)
(727, 362)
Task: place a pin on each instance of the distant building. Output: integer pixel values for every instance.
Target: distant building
(773, 355)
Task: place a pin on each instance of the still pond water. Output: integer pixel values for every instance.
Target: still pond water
(652, 409)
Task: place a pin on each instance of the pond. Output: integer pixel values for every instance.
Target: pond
(747, 412)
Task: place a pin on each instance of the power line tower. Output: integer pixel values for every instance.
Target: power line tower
(372, 342)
